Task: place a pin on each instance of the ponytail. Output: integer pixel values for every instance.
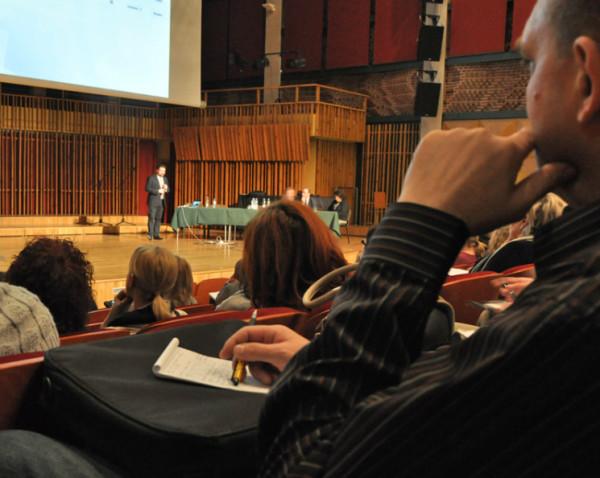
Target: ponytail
(161, 308)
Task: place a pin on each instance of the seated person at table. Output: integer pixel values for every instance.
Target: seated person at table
(286, 248)
(307, 199)
(183, 292)
(61, 276)
(290, 194)
(340, 205)
(25, 323)
(152, 275)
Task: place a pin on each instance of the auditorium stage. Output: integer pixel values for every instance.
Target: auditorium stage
(110, 256)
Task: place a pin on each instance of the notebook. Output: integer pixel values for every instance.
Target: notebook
(177, 363)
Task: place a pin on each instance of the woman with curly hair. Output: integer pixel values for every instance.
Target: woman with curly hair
(60, 275)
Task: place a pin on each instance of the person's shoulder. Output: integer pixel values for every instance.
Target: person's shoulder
(26, 324)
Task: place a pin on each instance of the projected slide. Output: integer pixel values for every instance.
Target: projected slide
(118, 45)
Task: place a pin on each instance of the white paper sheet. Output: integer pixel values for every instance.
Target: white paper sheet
(182, 364)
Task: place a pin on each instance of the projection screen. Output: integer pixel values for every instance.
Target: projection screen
(141, 49)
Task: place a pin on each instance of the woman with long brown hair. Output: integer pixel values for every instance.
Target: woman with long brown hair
(152, 276)
(286, 248)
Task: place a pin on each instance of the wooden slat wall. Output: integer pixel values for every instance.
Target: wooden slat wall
(279, 142)
(336, 166)
(226, 180)
(32, 113)
(387, 154)
(45, 173)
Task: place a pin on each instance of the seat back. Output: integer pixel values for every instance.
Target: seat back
(97, 316)
(460, 290)
(203, 288)
(16, 374)
(275, 315)
(94, 335)
(526, 270)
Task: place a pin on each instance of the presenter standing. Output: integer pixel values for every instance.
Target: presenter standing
(157, 187)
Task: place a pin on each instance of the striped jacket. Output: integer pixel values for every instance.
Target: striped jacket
(518, 398)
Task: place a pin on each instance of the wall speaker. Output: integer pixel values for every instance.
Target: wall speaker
(430, 43)
(428, 97)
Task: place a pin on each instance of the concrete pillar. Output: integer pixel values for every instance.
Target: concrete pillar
(435, 122)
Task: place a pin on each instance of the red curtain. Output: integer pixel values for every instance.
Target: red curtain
(303, 30)
(214, 41)
(348, 33)
(522, 10)
(246, 36)
(146, 166)
(477, 27)
(397, 27)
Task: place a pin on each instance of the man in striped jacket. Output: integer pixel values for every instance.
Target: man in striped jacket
(519, 397)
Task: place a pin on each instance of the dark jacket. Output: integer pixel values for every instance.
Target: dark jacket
(153, 190)
(342, 209)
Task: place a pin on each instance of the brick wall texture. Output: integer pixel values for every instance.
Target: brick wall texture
(482, 87)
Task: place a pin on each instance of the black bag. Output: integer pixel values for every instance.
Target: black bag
(103, 398)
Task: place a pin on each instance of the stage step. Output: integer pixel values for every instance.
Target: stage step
(30, 226)
(133, 229)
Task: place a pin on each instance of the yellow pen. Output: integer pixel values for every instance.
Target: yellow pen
(239, 372)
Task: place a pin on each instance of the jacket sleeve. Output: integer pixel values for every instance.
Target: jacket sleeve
(151, 186)
(373, 333)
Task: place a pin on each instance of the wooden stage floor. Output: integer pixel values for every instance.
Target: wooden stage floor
(110, 256)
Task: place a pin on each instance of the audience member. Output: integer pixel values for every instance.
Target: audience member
(290, 194)
(26, 324)
(307, 199)
(286, 248)
(183, 292)
(233, 295)
(518, 249)
(152, 275)
(356, 402)
(61, 276)
(340, 205)
(471, 252)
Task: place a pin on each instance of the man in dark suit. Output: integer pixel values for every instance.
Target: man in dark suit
(157, 187)
(307, 199)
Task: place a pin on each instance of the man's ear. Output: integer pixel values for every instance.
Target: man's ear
(587, 58)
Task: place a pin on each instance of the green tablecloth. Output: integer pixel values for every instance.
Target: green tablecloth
(195, 216)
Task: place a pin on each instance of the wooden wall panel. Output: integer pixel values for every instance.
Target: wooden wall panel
(226, 180)
(59, 174)
(387, 155)
(336, 166)
(286, 142)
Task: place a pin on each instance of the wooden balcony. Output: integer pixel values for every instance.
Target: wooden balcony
(330, 113)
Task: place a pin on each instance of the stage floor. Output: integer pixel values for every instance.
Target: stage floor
(110, 256)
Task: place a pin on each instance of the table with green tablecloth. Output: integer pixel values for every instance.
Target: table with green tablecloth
(208, 216)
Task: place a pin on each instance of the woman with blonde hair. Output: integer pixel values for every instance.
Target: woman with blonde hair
(152, 275)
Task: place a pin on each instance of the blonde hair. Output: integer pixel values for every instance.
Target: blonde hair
(545, 210)
(154, 270)
(479, 248)
(497, 238)
(184, 286)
